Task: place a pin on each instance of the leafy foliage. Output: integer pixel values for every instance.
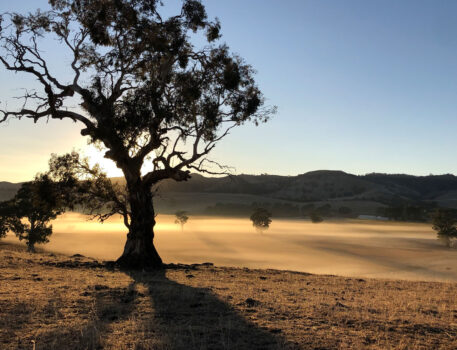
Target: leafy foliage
(7, 219)
(443, 221)
(343, 210)
(145, 92)
(29, 213)
(315, 217)
(407, 212)
(261, 219)
(88, 187)
(181, 218)
(140, 81)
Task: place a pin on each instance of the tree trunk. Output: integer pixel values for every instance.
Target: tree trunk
(30, 247)
(139, 251)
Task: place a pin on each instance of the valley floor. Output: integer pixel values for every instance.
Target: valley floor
(62, 302)
(352, 248)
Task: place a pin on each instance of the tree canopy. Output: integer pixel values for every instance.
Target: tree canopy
(444, 223)
(140, 88)
(261, 219)
(29, 213)
(181, 218)
(141, 84)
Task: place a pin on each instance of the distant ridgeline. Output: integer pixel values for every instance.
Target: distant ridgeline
(329, 193)
(8, 190)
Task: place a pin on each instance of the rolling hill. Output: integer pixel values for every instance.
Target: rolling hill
(323, 185)
(8, 190)
(237, 194)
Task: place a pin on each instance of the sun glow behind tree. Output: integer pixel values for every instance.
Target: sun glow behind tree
(147, 93)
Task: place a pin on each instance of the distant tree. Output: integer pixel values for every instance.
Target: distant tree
(29, 213)
(443, 222)
(394, 212)
(6, 218)
(3, 227)
(324, 210)
(344, 210)
(413, 212)
(316, 217)
(137, 85)
(410, 211)
(181, 218)
(307, 209)
(261, 219)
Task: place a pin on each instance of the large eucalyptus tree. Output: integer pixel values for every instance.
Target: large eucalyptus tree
(144, 90)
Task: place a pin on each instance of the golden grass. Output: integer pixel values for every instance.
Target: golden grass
(62, 302)
(352, 248)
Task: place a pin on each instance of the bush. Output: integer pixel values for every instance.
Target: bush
(443, 222)
(181, 218)
(261, 219)
(307, 209)
(3, 227)
(344, 211)
(316, 218)
(30, 212)
(324, 210)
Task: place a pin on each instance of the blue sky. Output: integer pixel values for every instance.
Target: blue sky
(361, 86)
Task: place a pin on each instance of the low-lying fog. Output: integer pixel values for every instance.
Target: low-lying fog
(350, 248)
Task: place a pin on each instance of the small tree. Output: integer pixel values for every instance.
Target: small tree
(307, 209)
(5, 218)
(28, 214)
(181, 218)
(394, 213)
(345, 211)
(261, 219)
(315, 217)
(443, 222)
(3, 227)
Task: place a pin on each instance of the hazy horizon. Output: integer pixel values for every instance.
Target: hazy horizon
(272, 174)
(346, 248)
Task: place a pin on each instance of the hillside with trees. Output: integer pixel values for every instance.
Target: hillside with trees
(402, 197)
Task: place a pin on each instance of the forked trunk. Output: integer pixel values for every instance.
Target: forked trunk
(139, 251)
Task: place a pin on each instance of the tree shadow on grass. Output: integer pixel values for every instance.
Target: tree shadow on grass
(177, 316)
(186, 317)
(105, 307)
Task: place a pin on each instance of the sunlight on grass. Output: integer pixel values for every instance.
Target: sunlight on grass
(350, 247)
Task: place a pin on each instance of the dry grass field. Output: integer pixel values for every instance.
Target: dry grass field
(352, 248)
(61, 302)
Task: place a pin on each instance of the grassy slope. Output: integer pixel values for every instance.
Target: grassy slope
(65, 302)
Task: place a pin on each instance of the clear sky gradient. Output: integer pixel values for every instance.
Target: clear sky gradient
(361, 86)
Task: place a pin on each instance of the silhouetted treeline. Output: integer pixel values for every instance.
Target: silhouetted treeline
(237, 209)
(408, 211)
(315, 186)
(279, 209)
(430, 185)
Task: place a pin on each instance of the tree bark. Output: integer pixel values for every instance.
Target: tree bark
(139, 251)
(30, 248)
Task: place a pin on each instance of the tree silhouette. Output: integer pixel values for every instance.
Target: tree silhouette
(6, 218)
(181, 218)
(28, 214)
(88, 188)
(443, 222)
(3, 227)
(261, 219)
(316, 217)
(145, 92)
